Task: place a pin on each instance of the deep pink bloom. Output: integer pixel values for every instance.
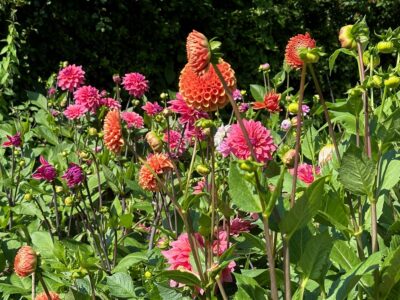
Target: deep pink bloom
(13, 140)
(305, 173)
(199, 187)
(110, 103)
(136, 84)
(220, 245)
(88, 97)
(74, 175)
(306, 109)
(237, 95)
(132, 119)
(239, 225)
(45, 172)
(71, 77)
(75, 111)
(259, 136)
(187, 114)
(51, 91)
(152, 108)
(244, 107)
(192, 132)
(54, 112)
(175, 141)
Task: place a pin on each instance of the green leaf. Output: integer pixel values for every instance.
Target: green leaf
(389, 174)
(46, 134)
(257, 91)
(278, 79)
(111, 179)
(249, 287)
(343, 256)
(168, 293)
(37, 99)
(242, 192)
(390, 274)
(130, 260)
(182, 276)
(121, 285)
(43, 243)
(308, 143)
(304, 209)
(357, 172)
(314, 260)
(335, 54)
(335, 212)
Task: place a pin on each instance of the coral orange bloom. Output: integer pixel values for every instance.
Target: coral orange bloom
(25, 261)
(198, 51)
(270, 103)
(113, 132)
(293, 48)
(204, 91)
(43, 296)
(156, 164)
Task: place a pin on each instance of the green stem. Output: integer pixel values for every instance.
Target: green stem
(46, 290)
(56, 210)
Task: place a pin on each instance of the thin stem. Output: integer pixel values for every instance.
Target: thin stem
(44, 216)
(221, 289)
(327, 118)
(56, 210)
(46, 290)
(286, 267)
(92, 285)
(33, 286)
(374, 227)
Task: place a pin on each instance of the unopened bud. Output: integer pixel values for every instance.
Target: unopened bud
(289, 157)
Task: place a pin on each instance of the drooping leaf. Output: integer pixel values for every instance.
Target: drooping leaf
(335, 54)
(182, 276)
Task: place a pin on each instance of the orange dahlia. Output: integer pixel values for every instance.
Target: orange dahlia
(270, 103)
(43, 296)
(25, 261)
(204, 91)
(156, 164)
(113, 132)
(198, 51)
(293, 48)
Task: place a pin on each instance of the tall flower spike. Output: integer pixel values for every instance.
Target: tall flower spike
(198, 51)
(113, 132)
(294, 47)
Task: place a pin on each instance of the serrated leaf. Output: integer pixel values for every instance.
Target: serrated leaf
(111, 179)
(43, 243)
(128, 261)
(250, 287)
(390, 274)
(343, 255)
(121, 285)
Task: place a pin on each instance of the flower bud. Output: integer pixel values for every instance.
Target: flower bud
(59, 189)
(204, 123)
(135, 102)
(293, 108)
(325, 154)
(25, 261)
(117, 79)
(21, 163)
(385, 47)
(28, 197)
(309, 57)
(392, 82)
(167, 112)
(68, 201)
(147, 275)
(367, 59)
(346, 38)
(203, 170)
(247, 166)
(92, 131)
(264, 67)
(288, 158)
(163, 96)
(154, 141)
(374, 82)
(100, 134)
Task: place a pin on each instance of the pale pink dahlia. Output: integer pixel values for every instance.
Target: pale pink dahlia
(152, 108)
(75, 111)
(132, 119)
(175, 141)
(71, 77)
(111, 103)
(259, 136)
(187, 114)
(136, 84)
(305, 173)
(88, 97)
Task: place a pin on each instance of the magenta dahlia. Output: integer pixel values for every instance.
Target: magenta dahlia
(75, 111)
(152, 108)
(175, 142)
(111, 103)
(132, 119)
(71, 77)
(89, 97)
(136, 84)
(187, 114)
(45, 172)
(13, 140)
(74, 175)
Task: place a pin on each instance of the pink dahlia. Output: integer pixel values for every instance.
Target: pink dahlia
(152, 108)
(192, 132)
(45, 172)
(136, 84)
(220, 245)
(187, 114)
(239, 225)
(110, 103)
(175, 141)
(199, 187)
(74, 175)
(13, 140)
(305, 173)
(75, 111)
(259, 136)
(71, 77)
(89, 97)
(132, 119)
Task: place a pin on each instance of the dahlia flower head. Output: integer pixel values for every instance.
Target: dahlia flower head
(113, 139)
(70, 78)
(89, 97)
(175, 141)
(152, 108)
(74, 175)
(239, 225)
(260, 138)
(270, 102)
(199, 187)
(198, 51)
(75, 111)
(220, 142)
(13, 140)
(43, 296)
(305, 173)
(204, 91)
(156, 164)
(188, 115)
(45, 172)
(25, 261)
(132, 119)
(111, 103)
(135, 84)
(294, 47)
(237, 95)
(286, 124)
(326, 154)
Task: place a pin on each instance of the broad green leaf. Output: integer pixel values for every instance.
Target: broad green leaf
(242, 192)
(111, 179)
(335, 212)
(168, 293)
(129, 260)
(37, 99)
(250, 287)
(389, 174)
(182, 276)
(343, 256)
(357, 172)
(279, 78)
(390, 274)
(309, 142)
(10, 289)
(46, 134)
(121, 285)
(304, 209)
(335, 54)
(43, 243)
(241, 294)
(257, 91)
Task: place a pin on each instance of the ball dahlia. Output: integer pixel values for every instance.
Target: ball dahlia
(71, 77)
(293, 48)
(198, 51)
(89, 97)
(204, 91)
(75, 111)
(25, 261)
(132, 119)
(113, 132)
(259, 136)
(135, 84)
(156, 164)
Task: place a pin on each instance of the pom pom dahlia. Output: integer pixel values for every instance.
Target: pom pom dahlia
(152, 108)
(293, 48)
(188, 115)
(45, 172)
(156, 164)
(113, 132)
(88, 97)
(259, 136)
(74, 175)
(75, 111)
(25, 261)
(110, 103)
(136, 84)
(43, 296)
(270, 103)
(198, 51)
(204, 91)
(70, 78)
(132, 119)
